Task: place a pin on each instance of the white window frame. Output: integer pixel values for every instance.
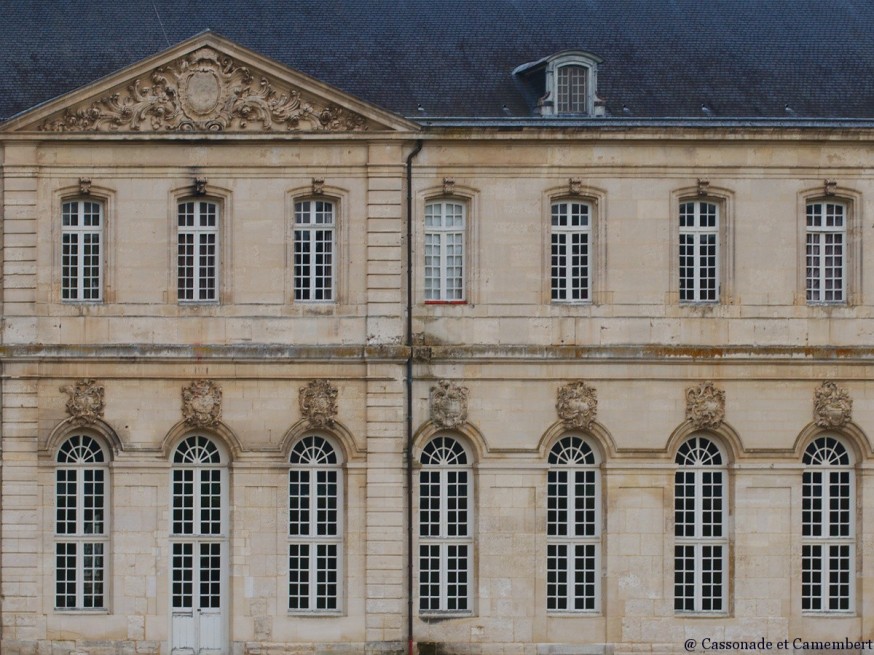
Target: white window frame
(828, 466)
(570, 279)
(555, 104)
(79, 458)
(445, 462)
(700, 462)
(199, 234)
(79, 283)
(315, 225)
(699, 279)
(443, 233)
(206, 594)
(821, 286)
(316, 458)
(573, 547)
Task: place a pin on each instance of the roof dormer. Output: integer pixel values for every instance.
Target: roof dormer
(567, 83)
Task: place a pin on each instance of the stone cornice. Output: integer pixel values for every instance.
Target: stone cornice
(273, 353)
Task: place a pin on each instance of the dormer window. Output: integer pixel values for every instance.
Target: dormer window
(570, 92)
(565, 84)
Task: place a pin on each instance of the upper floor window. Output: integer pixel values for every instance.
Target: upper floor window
(80, 524)
(828, 552)
(445, 527)
(314, 526)
(445, 224)
(314, 245)
(198, 251)
(699, 251)
(700, 535)
(573, 548)
(826, 250)
(571, 251)
(81, 250)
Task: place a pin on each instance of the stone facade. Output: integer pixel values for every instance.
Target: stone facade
(635, 373)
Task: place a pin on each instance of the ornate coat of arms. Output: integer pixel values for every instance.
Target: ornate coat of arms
(202, 403)
(449, 404)
(577, 405)
(832, 406)
(705, 405)
(85, 404)
(318, 403)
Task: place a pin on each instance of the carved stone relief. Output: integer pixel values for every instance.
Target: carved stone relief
(449, 404)
(577, 405)
(202, 403)
(832, 406)
(318, 403)
(86, 401)
(705, 405)
(205, 91)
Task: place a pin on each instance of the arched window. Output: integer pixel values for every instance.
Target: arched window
(82, 251)
(828, 528)
(573, 527)
(198, 534)
(197, 264)
(445, 535)
(315, 486)
(80, 524)
(700, 533)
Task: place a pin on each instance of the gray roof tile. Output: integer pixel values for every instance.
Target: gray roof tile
(662, 58)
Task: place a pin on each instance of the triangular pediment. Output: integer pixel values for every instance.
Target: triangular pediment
(208, 84)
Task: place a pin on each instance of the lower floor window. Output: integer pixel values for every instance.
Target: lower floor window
(571, 577)
(699, 573)
(444, 577)
(313, 582)
(825, 577)
(79, 570)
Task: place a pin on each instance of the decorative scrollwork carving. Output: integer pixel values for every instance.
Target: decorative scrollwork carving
(448, 186)
(449, 404)
(205, 91)
(318, 403)
(705, 405)
(85, 186)
(577, 405)
(202, 403)
(830, 187)
(703, 186)
(86, 401)
(832, 406)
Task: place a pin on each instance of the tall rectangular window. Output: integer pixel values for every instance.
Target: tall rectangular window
(198, 251)
(826, 242)
(81, 254)
(699, 252)
(444, 251)
(571, 249)
(314, 225)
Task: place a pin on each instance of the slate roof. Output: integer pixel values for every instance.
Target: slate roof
(760, 59)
